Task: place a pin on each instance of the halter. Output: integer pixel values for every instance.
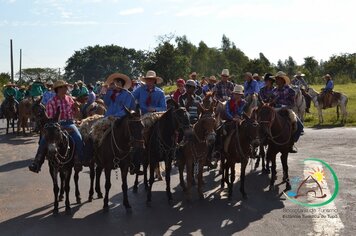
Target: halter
(206, 134)
(269, 130)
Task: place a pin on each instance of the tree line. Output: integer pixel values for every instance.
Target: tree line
(176, 56)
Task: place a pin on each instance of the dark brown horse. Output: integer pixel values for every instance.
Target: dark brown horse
(244, 138)
(60, 156)
(161, 144)
(10, 113)
(276, 129)
(118, 149)
(196, 150)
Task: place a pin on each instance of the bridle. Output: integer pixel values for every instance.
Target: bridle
(208, 133)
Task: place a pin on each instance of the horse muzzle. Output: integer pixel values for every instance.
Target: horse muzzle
(256, 142)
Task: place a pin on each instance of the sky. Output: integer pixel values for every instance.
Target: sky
(48, 32)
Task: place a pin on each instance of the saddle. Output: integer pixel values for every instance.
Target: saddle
(86, 125)
(101, 128)
(290, 116)
(327, 99)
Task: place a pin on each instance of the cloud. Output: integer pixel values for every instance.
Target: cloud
(196, 11)
(131, 11)
(75, 22)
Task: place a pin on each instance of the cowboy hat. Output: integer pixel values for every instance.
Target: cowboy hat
(191, 82)
(212, 78)
(152, 75)
(80, 82)
(255, 75)
(22, 87)
(8, 84)
(193, 74)
(299, 74)
(327, 76)
(225, 72)
(238, 89)
(59, 83)
(281, 74)
(269, 76)
(249, 74)
(49, 82)
(116, 76)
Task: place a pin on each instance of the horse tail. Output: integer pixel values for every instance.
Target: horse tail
(337, 112)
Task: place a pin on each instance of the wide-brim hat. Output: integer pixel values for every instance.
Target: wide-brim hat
(191, 82)
(255, 75)
(281, 74)
(22, 87)
(152, 75)
(80, 82)
(193, 74)
(50, 83)
(115, 76)
(225, 72)
(327, 76)
(299, 74)
(238, 89)
(213, 78)
(8, 84)
(60, 83)
(269, 76)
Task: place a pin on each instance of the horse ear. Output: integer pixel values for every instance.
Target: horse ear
(58, 114)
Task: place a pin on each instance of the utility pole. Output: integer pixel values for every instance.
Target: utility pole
(20, 64)
(12, 62)
(59, 73)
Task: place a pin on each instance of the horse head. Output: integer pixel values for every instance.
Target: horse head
(205, 127)
(251, 128)
(52, 133)
(181, 117)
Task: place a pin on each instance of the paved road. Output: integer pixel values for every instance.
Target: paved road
(26, 199)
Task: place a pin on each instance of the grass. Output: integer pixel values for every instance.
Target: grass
(311, 120)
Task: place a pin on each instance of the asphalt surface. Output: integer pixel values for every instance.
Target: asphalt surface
(26, 199)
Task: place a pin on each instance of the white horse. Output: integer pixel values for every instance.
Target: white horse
(340, 101)
(299, 105)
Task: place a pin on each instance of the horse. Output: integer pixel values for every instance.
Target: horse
(10, 113)
(244, 137)
(276, 130)
(252, 103)
(299, 105)
(196, 149)
(60, 156)
(161, 145)
(339, 100)
(124, 142)
(25, 113)
(97, 107)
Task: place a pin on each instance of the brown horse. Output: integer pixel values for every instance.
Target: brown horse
(244, 136)
(10, 113)
(25, 113)
(276, 129)
(118, 150)
(196, 150)
(98, 107)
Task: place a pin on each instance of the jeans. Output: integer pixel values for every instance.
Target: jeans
(74, 133)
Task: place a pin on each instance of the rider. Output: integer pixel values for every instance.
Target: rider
(37, 88)
(8, 91)
(149, 97)
(65, 103)
(116, 99)
(223, 89)
(210, 86)
(75, 91)
(266, 93)
(198, 89)
(284, 98)
(260, 83)
(250, 87)
(90, 100)
(180, 89)
(302, 84)
(49, 94)
(328, 90)
(191, 101)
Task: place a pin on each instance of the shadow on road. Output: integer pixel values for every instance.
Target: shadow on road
(212, 216)
(15, 165)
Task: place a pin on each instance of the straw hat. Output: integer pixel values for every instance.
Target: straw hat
(327, 76)
(49, 82)
(191, 82)
(193, 74)
(80, 82)
(9, 84)
(213, 79)
(225, 72)
(152, 75)
(22, 87)
(238, 89)
(115, 76)
(299, 74)
(249, 74)
(281, 74)
(255, 75)
(59, 83)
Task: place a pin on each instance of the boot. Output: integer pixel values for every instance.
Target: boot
(37, 162)
(293, 149)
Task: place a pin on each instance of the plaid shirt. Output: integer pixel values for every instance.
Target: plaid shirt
(284, 96)
(223, 90)
(66, 107)
(266, 94)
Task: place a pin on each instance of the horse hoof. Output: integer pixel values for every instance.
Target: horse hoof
(159, 179)
(68, 211)
(106, 209)
(288, 187)
(90, 199)
(55, 212)
(79, 200)
(201, 196)
(60, 198)
(100, 195)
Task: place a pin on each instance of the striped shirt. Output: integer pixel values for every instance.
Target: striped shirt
(65, 105)
(193, 108)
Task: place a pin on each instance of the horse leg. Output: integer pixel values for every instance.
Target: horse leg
(98, 172)
(124, 172)
(337, 112)
(181, 164)
(107, 188)
(320, 114)
(151, 181)
(61, 191)
(242, 179)
(284, 160)
(92, 177)
(189, 165)
(135, 187)
(7, 125)
(145, 179)
(77, 193)
(68, 174)
(13, 125)
(168, 165)
(272, 158)
(200, 180)
(223, 173)
(54, 174)
(232, 180)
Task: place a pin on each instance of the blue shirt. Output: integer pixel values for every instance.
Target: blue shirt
(329, 85)
(158, 101)
(91, 97)
(260, 84)
(117, 107)
(207, 88)
(250, 87)
(48, 95)
(233, 109)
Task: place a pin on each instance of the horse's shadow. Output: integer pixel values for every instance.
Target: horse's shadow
(14, 165)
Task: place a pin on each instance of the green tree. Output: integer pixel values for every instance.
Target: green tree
(46, 74)
(4, 78)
